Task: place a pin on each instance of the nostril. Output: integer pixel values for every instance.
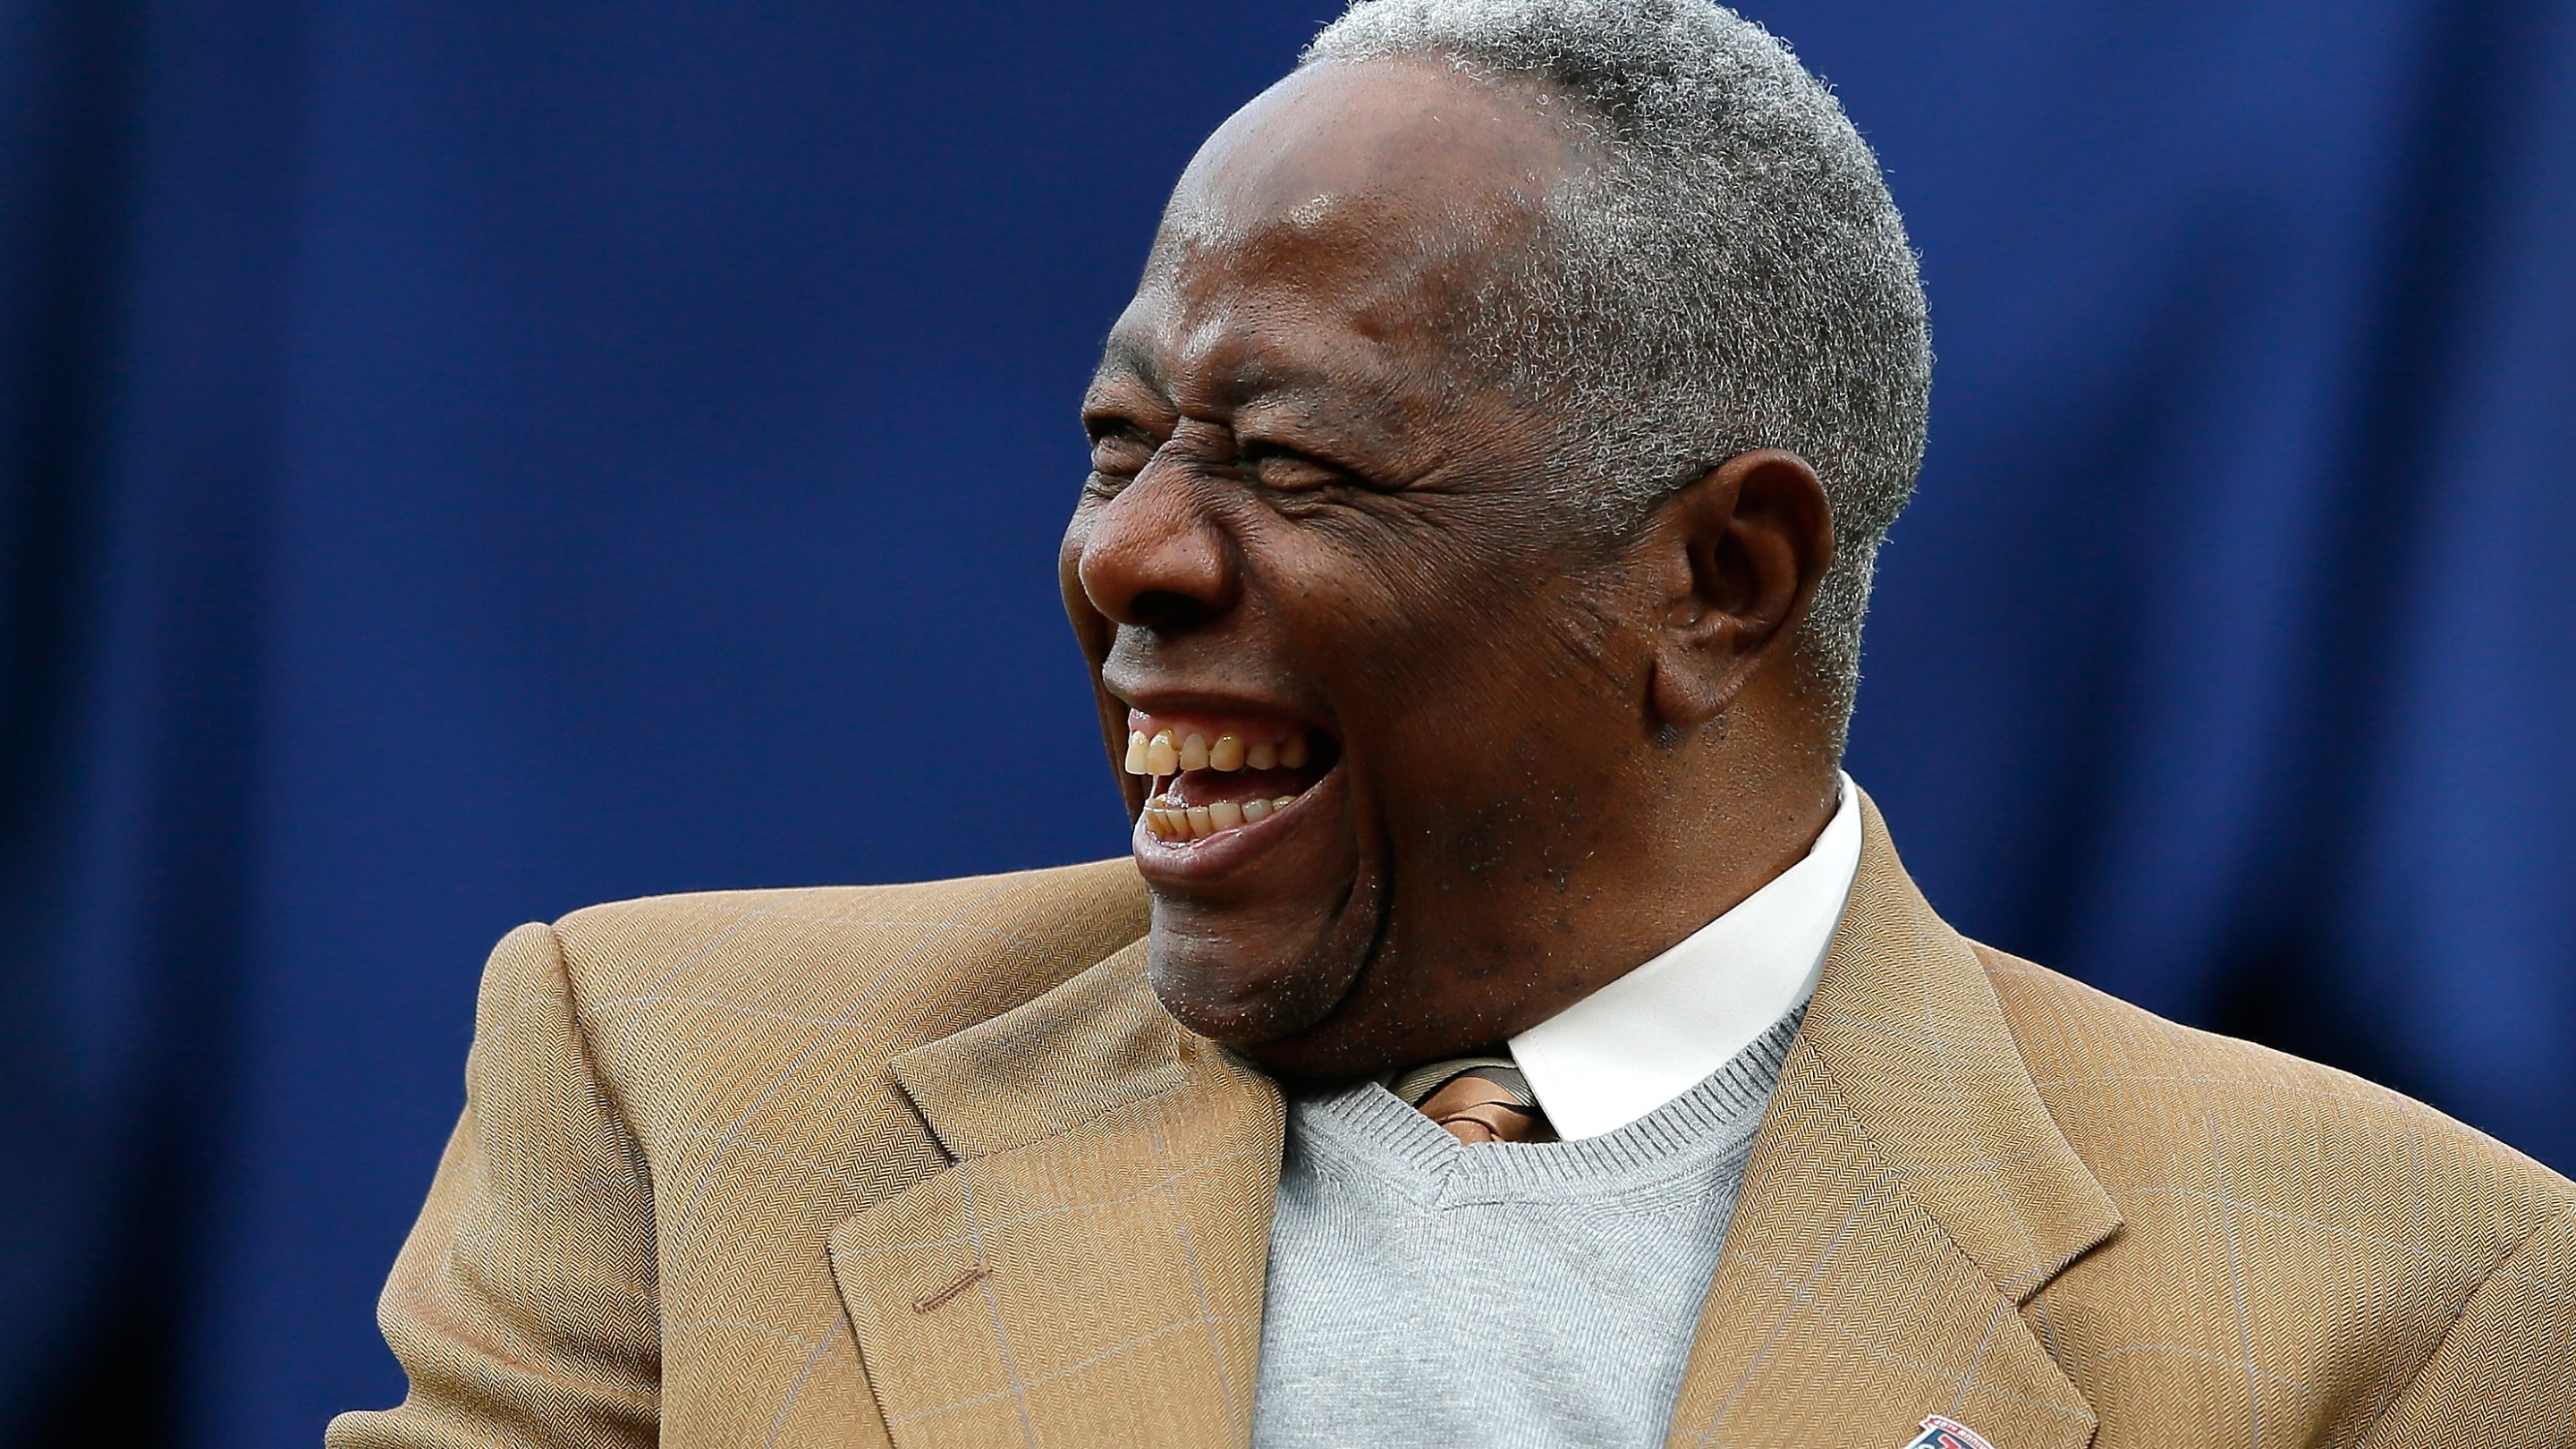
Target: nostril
(1163, 609)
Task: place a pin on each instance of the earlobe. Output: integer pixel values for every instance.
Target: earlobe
(1695, 674)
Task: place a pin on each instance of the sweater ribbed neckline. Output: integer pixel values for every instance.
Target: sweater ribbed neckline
(1681, 1138)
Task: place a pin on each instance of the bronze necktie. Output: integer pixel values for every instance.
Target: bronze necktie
(1476, 1099)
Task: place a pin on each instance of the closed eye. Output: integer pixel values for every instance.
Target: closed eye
(1285, 470)
(1120, 452)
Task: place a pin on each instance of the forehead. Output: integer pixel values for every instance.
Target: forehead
(1401, 135)
(1337, 221)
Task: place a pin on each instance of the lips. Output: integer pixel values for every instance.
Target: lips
(1225, 774)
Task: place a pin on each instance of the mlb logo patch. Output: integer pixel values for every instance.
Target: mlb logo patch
(1940, 1432)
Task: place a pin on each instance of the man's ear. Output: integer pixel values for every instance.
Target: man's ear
(1737, 555)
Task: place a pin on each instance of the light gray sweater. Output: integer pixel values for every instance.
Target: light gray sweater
(1428, 1293)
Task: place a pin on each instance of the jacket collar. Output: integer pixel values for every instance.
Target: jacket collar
(1911, 1034)
(1095, 1043)
(1107, 1219)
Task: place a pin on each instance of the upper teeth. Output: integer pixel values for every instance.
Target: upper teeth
(1161, 754)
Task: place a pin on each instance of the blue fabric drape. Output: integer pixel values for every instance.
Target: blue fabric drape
(463, 461)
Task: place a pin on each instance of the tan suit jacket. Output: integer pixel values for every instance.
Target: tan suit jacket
(927, 1165)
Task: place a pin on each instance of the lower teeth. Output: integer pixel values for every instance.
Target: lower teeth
(1197, 822)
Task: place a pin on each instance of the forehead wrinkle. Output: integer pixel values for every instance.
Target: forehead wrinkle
(1257, 364)
(1383, 246)
(1366, 286)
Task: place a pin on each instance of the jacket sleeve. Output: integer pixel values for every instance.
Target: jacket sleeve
(2504, 1375)
(523, 1307)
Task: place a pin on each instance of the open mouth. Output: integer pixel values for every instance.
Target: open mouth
(1213, 776)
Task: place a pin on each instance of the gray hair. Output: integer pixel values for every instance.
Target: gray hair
(1733, 276)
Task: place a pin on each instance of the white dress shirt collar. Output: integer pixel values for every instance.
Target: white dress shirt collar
(1655, 1033)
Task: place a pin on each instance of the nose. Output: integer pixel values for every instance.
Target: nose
(1153, 557)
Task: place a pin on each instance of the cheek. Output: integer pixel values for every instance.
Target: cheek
(1458, 657)
(1494, 759)
(1068, 555)
(1521, 680)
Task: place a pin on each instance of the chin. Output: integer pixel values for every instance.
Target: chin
(1267, 983)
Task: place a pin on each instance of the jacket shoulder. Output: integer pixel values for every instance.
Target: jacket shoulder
(732, 1027)
(2342, 1226)
(1024, 931)
(2132, 1088)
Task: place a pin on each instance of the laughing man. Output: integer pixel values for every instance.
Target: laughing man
(1511, 1028)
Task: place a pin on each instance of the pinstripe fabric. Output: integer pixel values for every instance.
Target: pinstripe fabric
(888, 1165)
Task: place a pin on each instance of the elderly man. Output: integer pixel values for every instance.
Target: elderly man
(1512, 1028)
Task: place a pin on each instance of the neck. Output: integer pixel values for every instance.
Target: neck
(1732, 814)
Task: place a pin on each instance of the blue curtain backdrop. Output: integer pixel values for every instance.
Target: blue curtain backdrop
(461, 461)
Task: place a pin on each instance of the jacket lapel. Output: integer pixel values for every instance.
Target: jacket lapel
(1908, 1193)
(1089, 1270)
